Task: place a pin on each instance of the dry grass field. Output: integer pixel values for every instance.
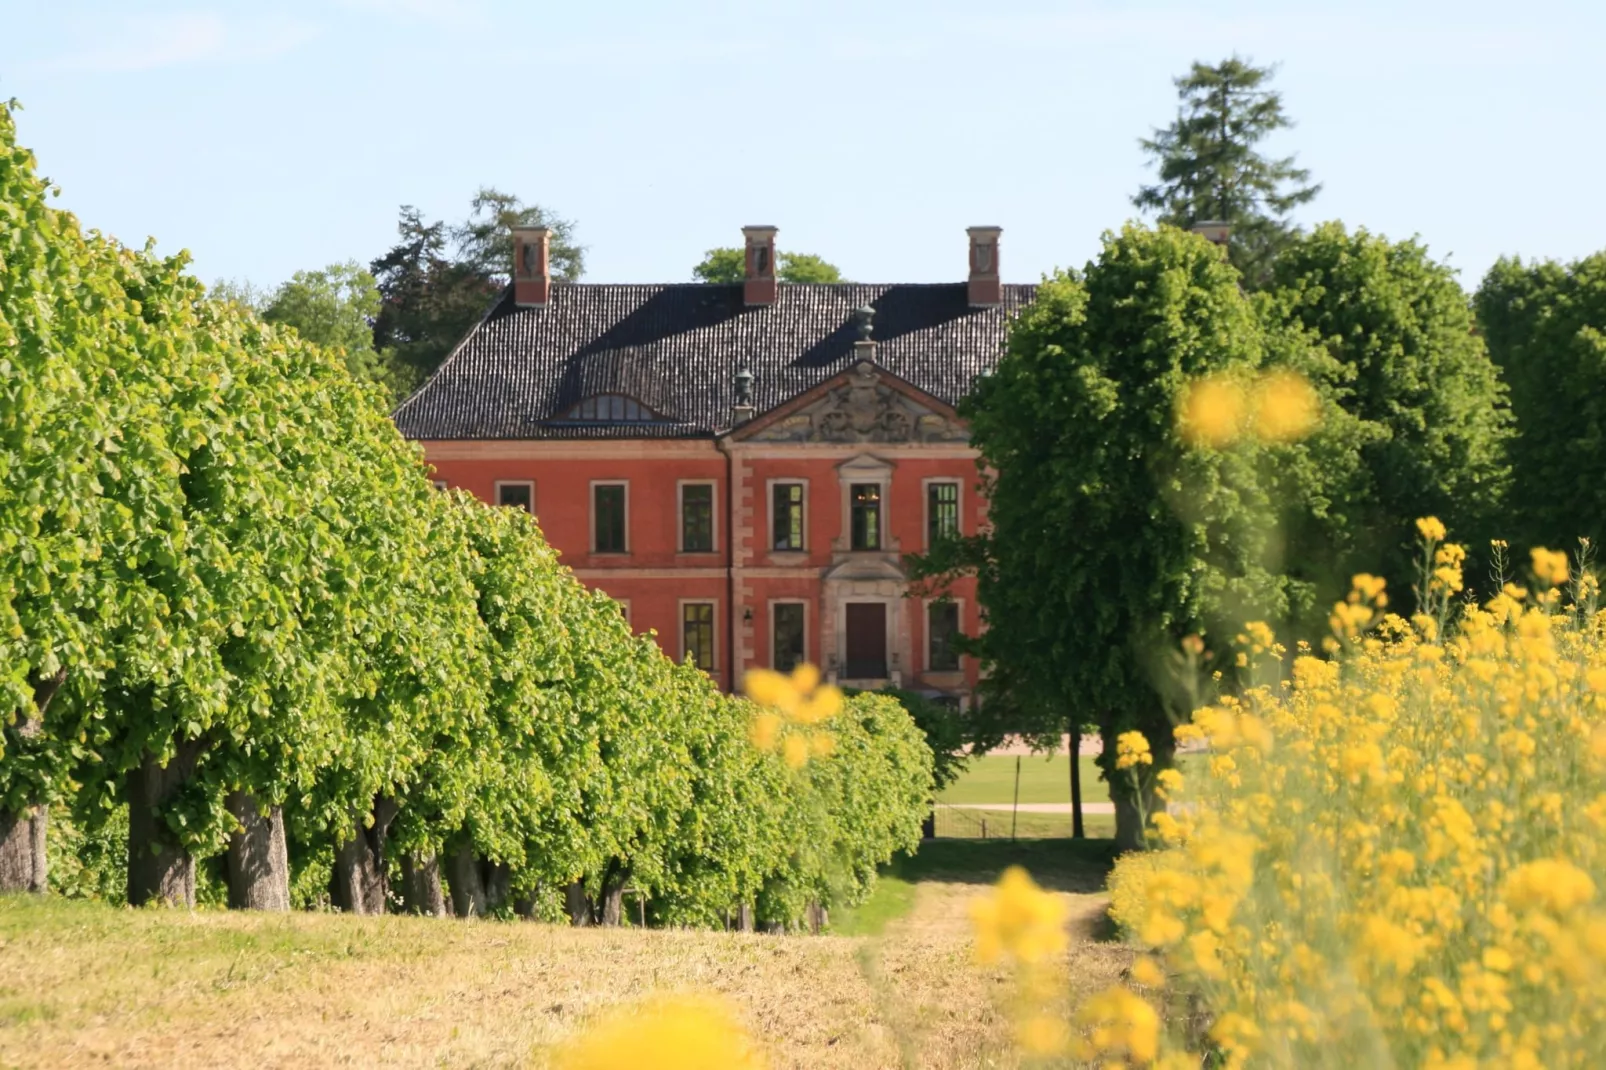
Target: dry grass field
(84, 984)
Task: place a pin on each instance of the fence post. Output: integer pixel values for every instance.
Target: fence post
(1014, 813)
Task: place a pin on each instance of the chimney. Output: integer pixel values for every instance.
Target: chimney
(759, 287)
(1213, 231)
(532, 267)
(986, 291)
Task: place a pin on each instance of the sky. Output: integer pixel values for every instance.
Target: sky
(269, 137)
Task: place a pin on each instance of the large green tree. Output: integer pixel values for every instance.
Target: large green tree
(1112, 537)
(1545, 324)
(727, 265)
(1390, 338)
(1210, 167)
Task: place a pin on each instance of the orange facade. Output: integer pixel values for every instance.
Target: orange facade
(710, 561)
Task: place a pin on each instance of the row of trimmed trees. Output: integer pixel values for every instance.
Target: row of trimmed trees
(231, 601)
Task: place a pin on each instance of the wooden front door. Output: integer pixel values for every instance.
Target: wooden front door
(867, 641)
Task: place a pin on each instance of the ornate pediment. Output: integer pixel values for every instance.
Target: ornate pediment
(863, 406)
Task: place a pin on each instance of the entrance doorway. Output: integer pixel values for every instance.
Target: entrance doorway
(866, 641)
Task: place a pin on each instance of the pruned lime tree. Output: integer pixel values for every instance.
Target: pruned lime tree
(241, 623)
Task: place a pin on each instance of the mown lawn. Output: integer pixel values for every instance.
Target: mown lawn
(84, 984)
(990, 778)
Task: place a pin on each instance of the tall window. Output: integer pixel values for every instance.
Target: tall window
(608, 517)
(942, 624)
(787, 515)
(866, 519)
(697, 634)
(788, 635)
(518, 495)
(697, 518)
(942, 512)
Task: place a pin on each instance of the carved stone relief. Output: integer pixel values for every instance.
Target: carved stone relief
(864, 409)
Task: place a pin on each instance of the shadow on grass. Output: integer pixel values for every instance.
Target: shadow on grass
(1064, 865)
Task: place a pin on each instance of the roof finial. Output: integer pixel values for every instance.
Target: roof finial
(864, 322)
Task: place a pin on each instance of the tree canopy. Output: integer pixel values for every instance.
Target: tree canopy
(728, 265)
(1545, 325)
(1211, 169)
(335, 308)
(240, 619)
(1396, 349)
(1112, 537)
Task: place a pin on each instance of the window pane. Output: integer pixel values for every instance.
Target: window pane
(788, 636)
(515, 494)
(787, 513)
(610, 518)
(942, 624)
(866, 533)
(697, 635)
(697, 518)
(942, 512)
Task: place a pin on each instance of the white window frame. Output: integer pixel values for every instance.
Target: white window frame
(624, 610)
(925, 505)
(680, 514)
(592, 506)
(925, 627)
(773, 602)
(500, 483)
(680, 631)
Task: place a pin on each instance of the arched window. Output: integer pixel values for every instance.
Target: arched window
(610, 408)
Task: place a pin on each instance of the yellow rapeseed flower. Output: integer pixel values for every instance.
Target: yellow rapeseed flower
(1019, 919)
(666, 1033)
(1286, 407)
(1431, 528)
(1118, 1023)
(1131, 750)
(1550, 567)
(1212, 411)
(791, 707)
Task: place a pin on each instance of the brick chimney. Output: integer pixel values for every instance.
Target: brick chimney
(1213, 231)
(759, 286)
(532, 266)
(986, 290)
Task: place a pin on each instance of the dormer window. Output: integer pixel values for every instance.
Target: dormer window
(609, 409)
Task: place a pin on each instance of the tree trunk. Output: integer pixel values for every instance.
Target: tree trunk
(578, 905)
(358, 884)
(524, 907)
(498, 880)
(259, 864)
(744, 918)
(159, 868)
(614, 879)
(815, 917)
(22, 851)
(1078, 830)
(421, 886)
(23, 864)
(469, 899)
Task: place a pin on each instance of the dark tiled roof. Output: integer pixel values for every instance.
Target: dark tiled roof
(675, 348)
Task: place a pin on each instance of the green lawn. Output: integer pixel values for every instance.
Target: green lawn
(991, 779)
(969, 825)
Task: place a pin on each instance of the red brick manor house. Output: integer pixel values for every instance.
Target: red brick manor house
(741, 466)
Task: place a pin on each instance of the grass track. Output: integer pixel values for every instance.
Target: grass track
(83, 984)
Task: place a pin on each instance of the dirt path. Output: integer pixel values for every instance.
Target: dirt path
(971, 1023)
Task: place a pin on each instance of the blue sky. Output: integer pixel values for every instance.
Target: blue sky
(267, 137)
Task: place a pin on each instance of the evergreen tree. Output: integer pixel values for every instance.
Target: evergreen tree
(1210, 169)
